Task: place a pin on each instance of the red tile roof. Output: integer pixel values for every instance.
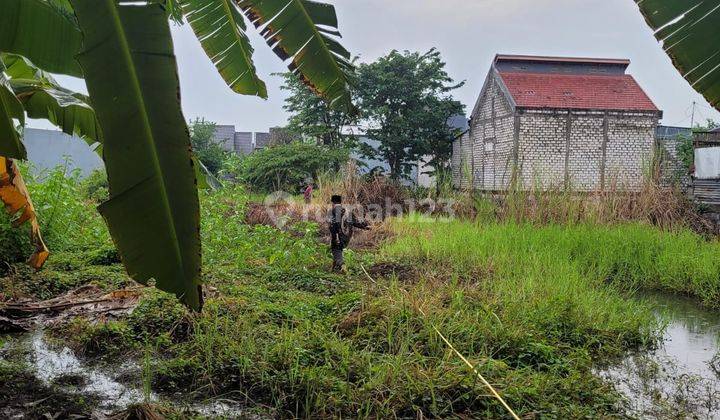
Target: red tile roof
(577, 91)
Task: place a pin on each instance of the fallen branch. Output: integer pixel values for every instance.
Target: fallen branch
(87, 301)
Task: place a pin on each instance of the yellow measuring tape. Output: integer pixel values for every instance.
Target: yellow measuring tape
(467, 362)
(464, 359)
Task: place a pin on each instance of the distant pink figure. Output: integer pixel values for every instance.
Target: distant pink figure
(308, 194)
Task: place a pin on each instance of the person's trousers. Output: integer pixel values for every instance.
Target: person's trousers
(338, 259)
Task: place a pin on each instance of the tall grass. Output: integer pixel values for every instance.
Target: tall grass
(591, 256)
(661, 206)
(358, 189)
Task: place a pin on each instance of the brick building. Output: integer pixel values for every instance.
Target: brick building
(549, 122)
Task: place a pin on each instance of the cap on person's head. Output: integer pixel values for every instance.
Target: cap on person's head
(336, 199)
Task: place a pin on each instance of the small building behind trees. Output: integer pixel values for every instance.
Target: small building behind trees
(552, 122)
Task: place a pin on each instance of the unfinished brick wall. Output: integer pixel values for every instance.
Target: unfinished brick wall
(491, 136)
(585, 150)
(631, 139)
(541, 149)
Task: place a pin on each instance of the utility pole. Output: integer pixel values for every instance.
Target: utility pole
(692, 119)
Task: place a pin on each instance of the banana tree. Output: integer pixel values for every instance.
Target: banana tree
(688, 31)
(124, 51)
(27, 90)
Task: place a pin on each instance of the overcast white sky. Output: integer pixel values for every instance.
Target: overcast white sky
(468, 33)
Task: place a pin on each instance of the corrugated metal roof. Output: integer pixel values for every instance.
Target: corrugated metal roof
(458, 122)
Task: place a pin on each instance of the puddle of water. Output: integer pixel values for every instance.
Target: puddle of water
(676, 380)
(51, 364)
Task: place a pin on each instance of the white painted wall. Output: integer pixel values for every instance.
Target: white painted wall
(707, 163)
(49, 148)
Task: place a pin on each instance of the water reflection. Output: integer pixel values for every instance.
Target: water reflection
(676, 380)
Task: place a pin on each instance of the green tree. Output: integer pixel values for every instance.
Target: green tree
(405, 98)
(125, 54)
(287, 167)
(313, 118)
(710, 124)
(202, 138)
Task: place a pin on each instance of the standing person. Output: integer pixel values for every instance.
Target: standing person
(341, 224)
(308, 193)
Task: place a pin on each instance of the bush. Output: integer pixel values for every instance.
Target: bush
(14, 242)
(95, 186)
(66, 221)
(202, 136)
(288, 166)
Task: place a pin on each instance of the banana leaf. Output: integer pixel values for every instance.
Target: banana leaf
(153, 210)
(220, 28)
(70, 111)
(42, 31)
(61, 107)
(10, 109)
(19, 67)
(305, 32)
(43, 98)
(14, 195)
(688, 31)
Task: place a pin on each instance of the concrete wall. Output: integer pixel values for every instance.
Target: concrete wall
(225, 137)
(631, 140)
(244, 143)
(541, 149)
(48, 149)
(462, 161)
(262, 140)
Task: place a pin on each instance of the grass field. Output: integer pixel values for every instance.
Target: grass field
(534, 308)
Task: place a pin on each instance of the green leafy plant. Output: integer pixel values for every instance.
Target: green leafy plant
(686, 151)
(95, 186)
(202, 137)
(67, 221)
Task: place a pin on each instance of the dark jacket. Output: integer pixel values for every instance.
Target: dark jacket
(342, 224)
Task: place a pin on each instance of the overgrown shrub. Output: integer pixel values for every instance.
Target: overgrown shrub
(67, 222)
(205, 147)
(287, 167)
(686, 151)
(14, 242)
(377, 191)
(95, 186)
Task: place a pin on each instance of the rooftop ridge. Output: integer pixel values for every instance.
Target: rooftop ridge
(554, 59)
